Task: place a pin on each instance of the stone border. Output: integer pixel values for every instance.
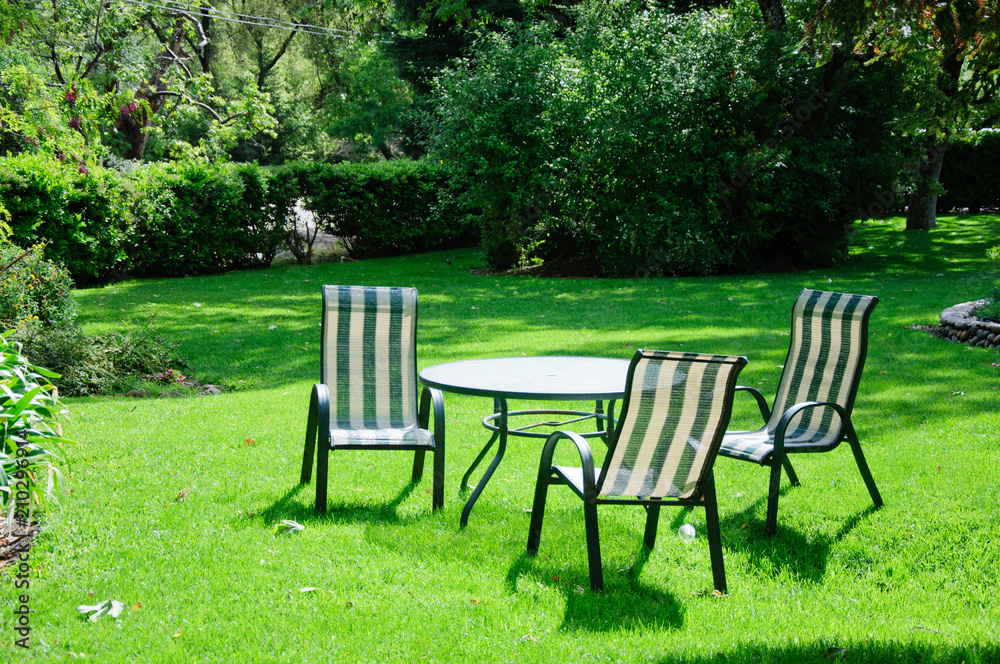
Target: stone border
(958, 323)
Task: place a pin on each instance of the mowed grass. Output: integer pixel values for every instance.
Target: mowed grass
(173, 501)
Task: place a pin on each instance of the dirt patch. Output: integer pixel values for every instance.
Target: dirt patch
(15, 544)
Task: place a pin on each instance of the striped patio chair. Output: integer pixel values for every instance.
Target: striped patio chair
(674, 414)
(815, 396)
(367, 397)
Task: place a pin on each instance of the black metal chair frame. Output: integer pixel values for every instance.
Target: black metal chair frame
(319, 438)
(779, 457)
(549, 475)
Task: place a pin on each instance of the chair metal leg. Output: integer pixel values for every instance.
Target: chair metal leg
(866, 474)
(437, 499)
(652, 520)
(418, 465)
(537, 512)
(322, 463)
(715, 535)
(771, 525)
(310, 449)
(792, 477)
(593, 547)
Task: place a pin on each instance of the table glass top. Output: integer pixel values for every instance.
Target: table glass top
(531, 377)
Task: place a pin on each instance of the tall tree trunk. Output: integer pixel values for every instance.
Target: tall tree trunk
(131, 125)
(774, 14)
(922, 206)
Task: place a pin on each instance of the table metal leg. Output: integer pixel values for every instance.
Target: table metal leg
(475, 464)
(501, 435)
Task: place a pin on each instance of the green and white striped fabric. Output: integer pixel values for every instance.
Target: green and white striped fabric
(672, 423)
(369, 365)
(825, 358)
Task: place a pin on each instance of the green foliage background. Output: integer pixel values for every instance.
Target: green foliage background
(656, 143)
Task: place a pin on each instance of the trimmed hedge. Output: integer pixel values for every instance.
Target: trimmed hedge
(81, 214)
(384, 208)
(194, 218)
(197, 218)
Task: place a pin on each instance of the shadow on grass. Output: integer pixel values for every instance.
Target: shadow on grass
(290, 506)
(803, 557)
(625, 603)
(869, 652)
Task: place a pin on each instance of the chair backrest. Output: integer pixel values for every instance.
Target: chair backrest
(369, 356)
(674, 415)
(826, 353)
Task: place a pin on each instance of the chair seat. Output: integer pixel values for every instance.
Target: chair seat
(411, 436)
(758, 446)
(574, 476)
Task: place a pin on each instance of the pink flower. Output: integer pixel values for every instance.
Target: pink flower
(74, 123)
(71, 95)
(128, 110)
(83, 170)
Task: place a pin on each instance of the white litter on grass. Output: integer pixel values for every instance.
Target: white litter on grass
(687, 533)
(112, 607)
(288, 526)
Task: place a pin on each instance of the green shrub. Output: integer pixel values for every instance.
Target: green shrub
(655, 143)
(30, 440)
(33, 291)
(197, 218)
(383, 208)
(99, 364)
(969, 174)
(81, 214)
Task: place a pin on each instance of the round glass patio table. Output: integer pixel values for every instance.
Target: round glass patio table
(533, 378)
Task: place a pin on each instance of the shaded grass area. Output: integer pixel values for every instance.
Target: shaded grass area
(173, 501)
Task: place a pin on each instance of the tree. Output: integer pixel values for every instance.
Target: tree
(88, 72)
(951, 51)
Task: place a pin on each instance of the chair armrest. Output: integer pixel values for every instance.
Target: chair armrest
(586, 459)
(786, 418)
(430, 396)
(765, 410)
(319, 408)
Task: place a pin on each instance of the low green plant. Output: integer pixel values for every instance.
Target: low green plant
(105, 363)
(198, 218)
(31, 441)
(174, 510)
(33, 291)
(992, 308)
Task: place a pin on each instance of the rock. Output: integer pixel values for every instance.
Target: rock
(139, 394)
(209, 389)
(171, 395)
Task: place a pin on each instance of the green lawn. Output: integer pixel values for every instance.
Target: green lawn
(207, 580)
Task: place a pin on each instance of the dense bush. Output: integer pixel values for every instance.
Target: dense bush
(81, 214)
(660, 144)
(969, 174)
(382, 208)
(34, 292)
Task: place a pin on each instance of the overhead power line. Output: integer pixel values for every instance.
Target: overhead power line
(246, 19)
